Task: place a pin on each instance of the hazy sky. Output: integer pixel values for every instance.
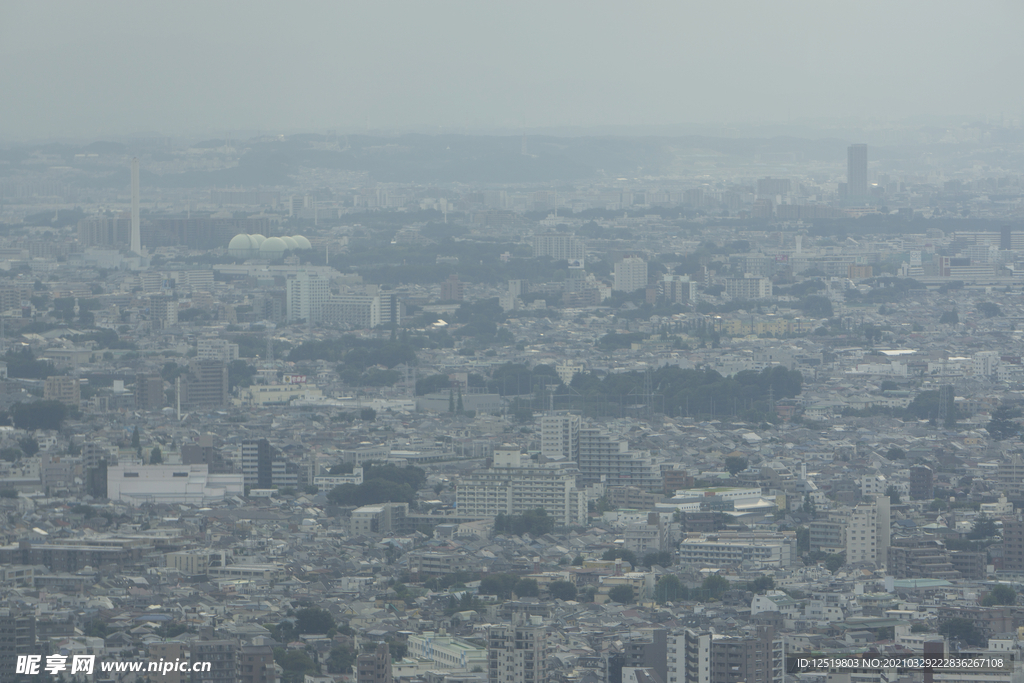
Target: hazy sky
(95, 69)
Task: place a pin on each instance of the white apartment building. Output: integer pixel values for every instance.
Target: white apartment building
(516, 653)
(305, 294)
(514, 485)
(559, 247)
(630, 274)
(867, 532)
(560, 436)
(359, 311)
(728, 550)
(216, 349)
(748, 287)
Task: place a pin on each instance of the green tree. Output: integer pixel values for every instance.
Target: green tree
(762, 584)
(949, 318)
(894, 495)
(622, 594)
(47, 415)
(28, 445)
(156, 456)
(295, 663)
(562, 590)
(895, 453)
(803, 540)
(313, 620)
(340, 660)
(833, 561)
(669, 589)
(368, 415)
(984, 527)
(1002, 424)
(1000, 595)
(735, 464)
(136, 439)
(662, 559)
(577, 561)
(501, 585)
(962, 630)
(526, 588)
(715, 585)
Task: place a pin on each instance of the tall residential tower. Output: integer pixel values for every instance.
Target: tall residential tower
(136, 246)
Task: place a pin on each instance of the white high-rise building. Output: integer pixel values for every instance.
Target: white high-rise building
(630, 274)
(517, 653)
(559, 247)
(515, 484)
(136, 246)
(560, 436)
(867, 532)
(306, 294)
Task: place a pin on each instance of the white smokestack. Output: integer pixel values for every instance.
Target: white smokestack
(136, 233)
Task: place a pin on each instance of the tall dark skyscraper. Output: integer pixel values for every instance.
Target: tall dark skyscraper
(857, 172)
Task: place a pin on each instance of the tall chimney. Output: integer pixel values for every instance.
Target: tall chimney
(136, 233)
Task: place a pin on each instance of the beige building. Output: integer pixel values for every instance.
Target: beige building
(63, 388)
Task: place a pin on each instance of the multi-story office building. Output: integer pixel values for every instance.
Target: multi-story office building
(17, 637)
(216, 349)
(678, 289)
(730, 549)
(647, 650)
(306, 293)
(256, 664)
(702, 657)
(857, 172)
(604, 458)
(163, 311)
(560, 436)
(516, 653)
(867, 533)
(374, 666)
(748, 287)
(452, 289)
(360, 311)
(257, 464)
(63, 388)
(559, 247)
(630, 274)
(169, 652)
(1013, 542)
(149, 391)
(515, 485)
(205, 385)
(378, 519)
(922, 483)
(222, 656)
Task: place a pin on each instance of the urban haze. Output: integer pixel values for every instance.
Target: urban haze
(504, 342)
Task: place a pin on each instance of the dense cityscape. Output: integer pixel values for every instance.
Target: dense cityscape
(494, 343)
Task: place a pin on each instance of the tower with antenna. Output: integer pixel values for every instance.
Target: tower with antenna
(136, 246)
